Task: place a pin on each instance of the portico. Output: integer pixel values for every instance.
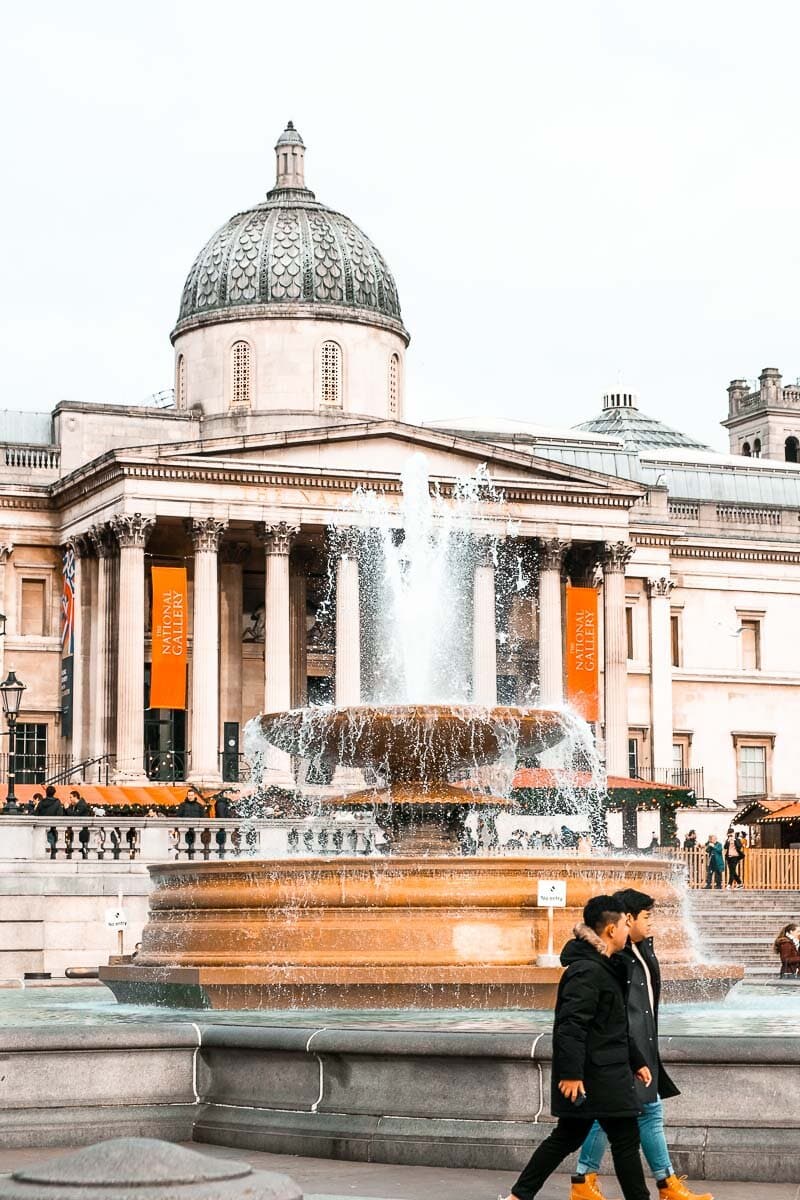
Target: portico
(275, 601)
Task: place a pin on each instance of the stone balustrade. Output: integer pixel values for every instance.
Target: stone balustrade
(112, 839)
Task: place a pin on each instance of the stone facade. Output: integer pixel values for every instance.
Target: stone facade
(696, 556)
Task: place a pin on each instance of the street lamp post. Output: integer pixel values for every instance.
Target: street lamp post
(11, 690)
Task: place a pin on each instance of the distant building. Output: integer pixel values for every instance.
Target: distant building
(289, 394)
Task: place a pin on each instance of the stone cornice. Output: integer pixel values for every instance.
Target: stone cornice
(240, 475)
(737, 553)
(291, 312)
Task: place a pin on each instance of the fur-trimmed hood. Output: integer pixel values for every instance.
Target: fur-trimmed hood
(584, 933)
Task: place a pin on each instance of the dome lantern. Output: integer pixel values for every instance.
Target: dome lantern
(290, 155)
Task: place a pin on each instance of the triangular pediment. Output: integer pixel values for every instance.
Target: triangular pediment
(384, 448)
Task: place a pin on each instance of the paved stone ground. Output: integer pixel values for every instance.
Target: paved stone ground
(323, 1179)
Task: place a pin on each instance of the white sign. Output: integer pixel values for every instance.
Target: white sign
(552, 893)
(116, 918)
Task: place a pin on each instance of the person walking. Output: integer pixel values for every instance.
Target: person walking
(787, 944)
(643, 976)
(732, 851)
(715, 863)
(594, 1058)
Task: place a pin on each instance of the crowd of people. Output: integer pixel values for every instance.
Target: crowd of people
(724, 860)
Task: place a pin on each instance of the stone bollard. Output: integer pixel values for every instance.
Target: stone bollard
(144, 1169)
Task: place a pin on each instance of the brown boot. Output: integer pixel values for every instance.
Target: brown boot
(673, 1188)
(589, 1189)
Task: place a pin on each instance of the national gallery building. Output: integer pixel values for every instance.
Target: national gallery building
(197, 530)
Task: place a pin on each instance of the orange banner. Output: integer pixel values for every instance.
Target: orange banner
(582, 652)
(168, 675)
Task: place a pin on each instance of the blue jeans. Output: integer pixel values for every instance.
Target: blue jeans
(651, 1135)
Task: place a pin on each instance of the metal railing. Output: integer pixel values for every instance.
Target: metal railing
(55, 768)
(685, 777)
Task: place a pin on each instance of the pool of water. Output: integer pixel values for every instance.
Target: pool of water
(751, 1010)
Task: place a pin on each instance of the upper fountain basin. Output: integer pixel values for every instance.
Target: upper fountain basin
(427, 742)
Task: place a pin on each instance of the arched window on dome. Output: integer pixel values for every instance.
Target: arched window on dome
(791, 450)
(180, 382)
(757, 448)
(746, 449)
(331, 375)
(240, 375)
(394, 386)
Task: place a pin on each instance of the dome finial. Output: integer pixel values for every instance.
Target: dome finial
(289, 160)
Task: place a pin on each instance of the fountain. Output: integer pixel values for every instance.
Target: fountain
(428, 925)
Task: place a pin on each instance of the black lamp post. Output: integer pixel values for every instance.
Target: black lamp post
(11, 690)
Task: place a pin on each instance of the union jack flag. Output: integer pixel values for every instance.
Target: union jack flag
(68, 602)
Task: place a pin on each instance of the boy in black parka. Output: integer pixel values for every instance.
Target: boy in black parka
(594, 1060)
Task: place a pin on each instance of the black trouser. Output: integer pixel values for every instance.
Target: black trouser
(733, 870)
(569, 1135)
(717, 873)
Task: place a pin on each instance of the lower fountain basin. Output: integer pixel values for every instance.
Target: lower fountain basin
(385, 933)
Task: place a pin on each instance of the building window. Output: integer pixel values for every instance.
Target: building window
(675, 638)
(331, 375)
(757, 448)
(751, 770)
(746, 449)
(678, 756)
(33, 615)
(790, 449)
(750, 640)
(394, 385)
(240, 374)
(180, 382)
(30, 751)
(633, 757)
(629, 631)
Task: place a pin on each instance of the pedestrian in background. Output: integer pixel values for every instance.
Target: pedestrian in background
(787, 944)
(715, 863)
(732, 851)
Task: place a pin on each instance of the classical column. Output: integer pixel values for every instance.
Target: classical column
(206, 533)
(298, 641)
(615, 558)
(231, 612)
(484, 628)
(80, 546)
(131, 531)
(552, 552)
(100, 704)
(5, 554)
(277, 540)
(659, 591)
(348, 620)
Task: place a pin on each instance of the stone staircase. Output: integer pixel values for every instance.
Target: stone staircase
(740, 926)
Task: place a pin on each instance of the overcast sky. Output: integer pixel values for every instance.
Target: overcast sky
(571, 196)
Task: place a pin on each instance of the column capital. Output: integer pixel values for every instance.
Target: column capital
(278, 537)
(234, 553)
(206, 533)
(103, 541)
(485, 549)
(616, 556)
(660, 589)
(5, 552)
(132, 529)
(346, 540)
(552, 552)
(80, 544)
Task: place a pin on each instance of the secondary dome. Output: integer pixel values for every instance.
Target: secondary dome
(290, 256)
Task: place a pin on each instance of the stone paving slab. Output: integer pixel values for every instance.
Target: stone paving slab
(326, 1179)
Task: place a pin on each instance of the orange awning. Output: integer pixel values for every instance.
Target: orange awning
(110, 796)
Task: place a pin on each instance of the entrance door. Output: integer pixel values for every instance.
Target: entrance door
(164, 740)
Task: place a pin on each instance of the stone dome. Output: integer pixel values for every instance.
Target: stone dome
(290, 256)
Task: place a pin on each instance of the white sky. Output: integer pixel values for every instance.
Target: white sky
(571, 195)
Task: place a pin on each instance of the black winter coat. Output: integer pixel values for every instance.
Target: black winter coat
(642, 1023)
(590, 1035)
(49, 806)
